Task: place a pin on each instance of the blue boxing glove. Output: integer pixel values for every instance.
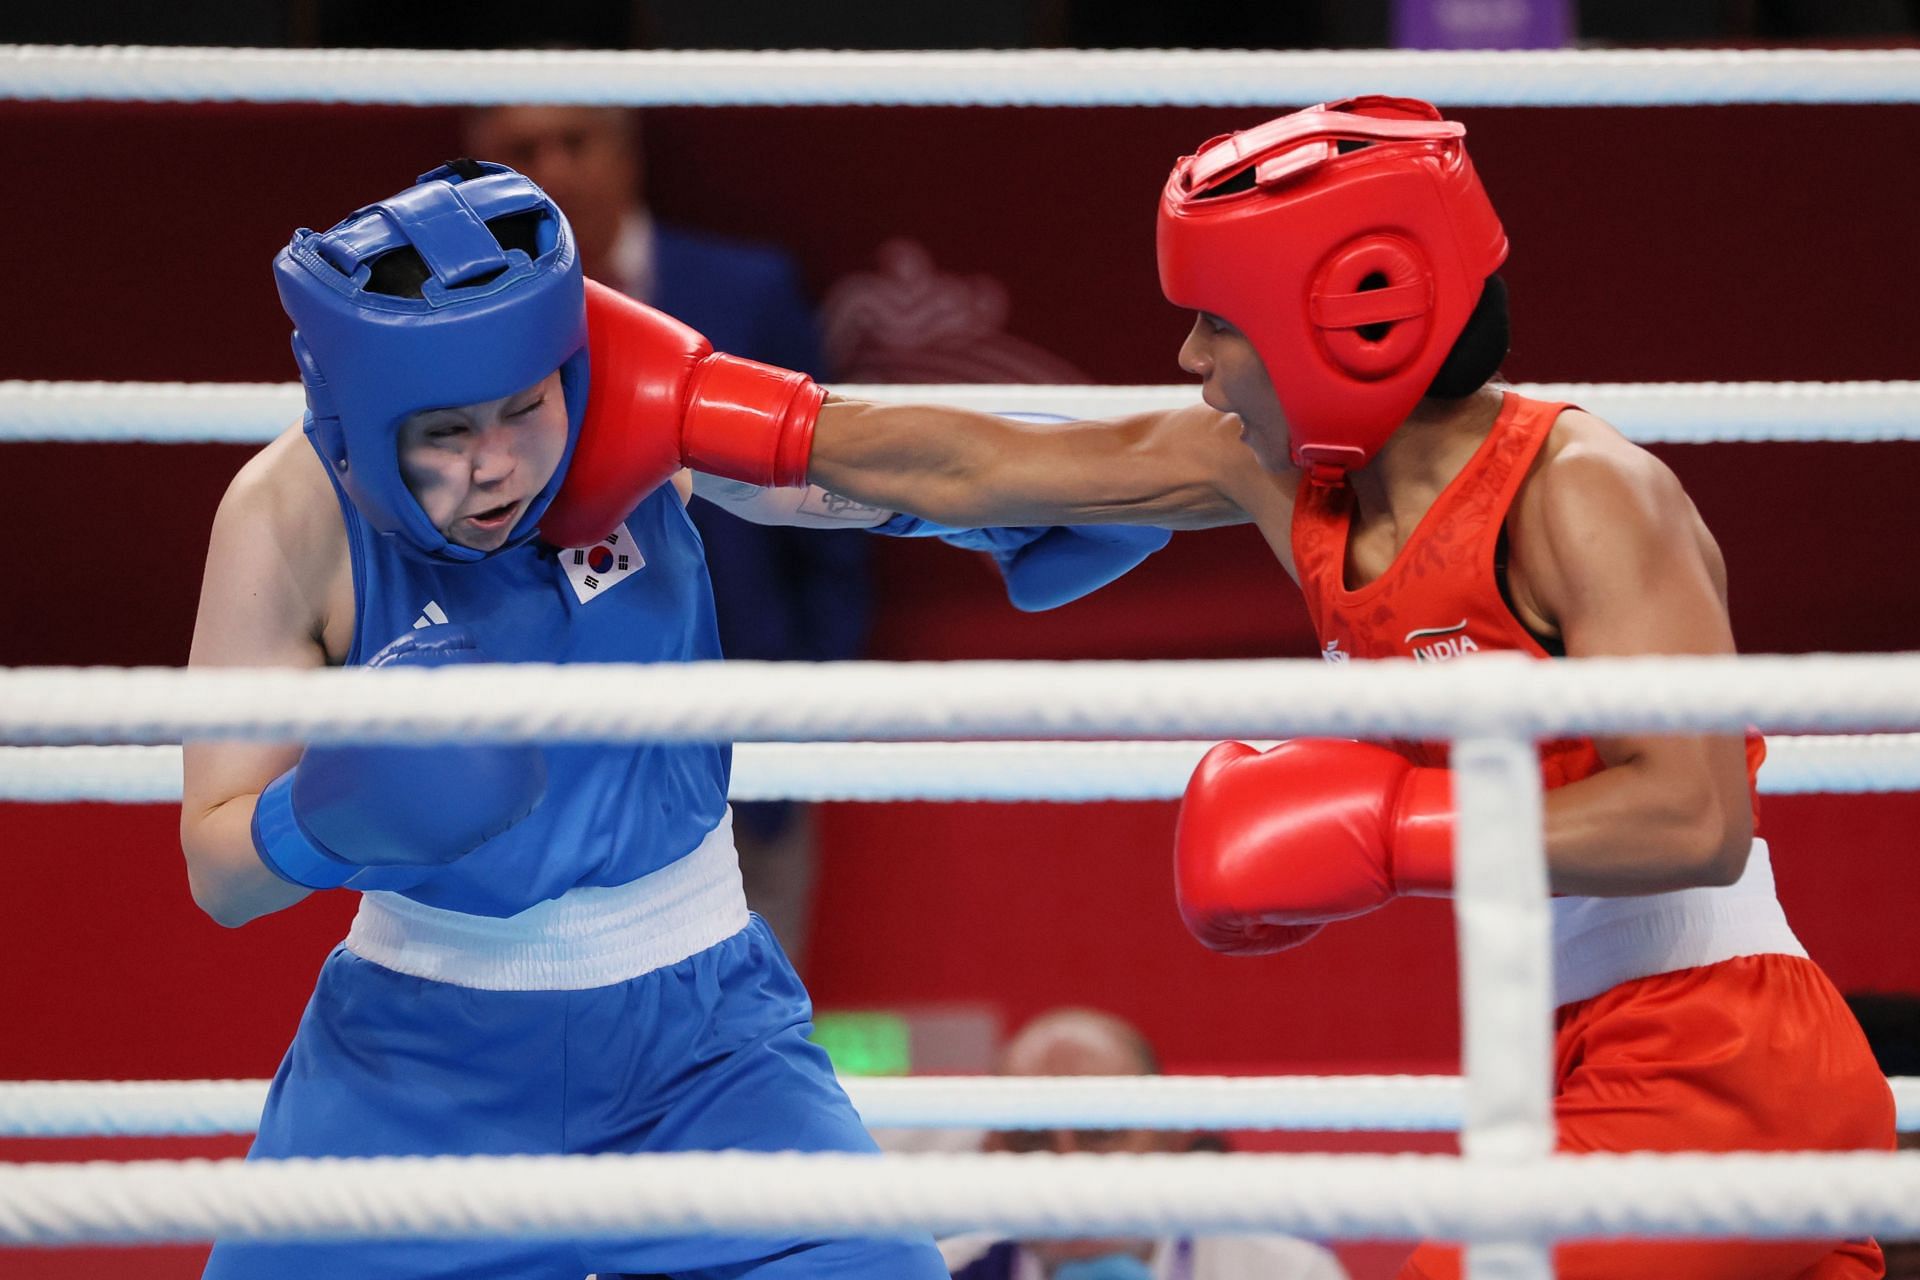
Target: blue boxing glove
(345, 808)
(1046, 566)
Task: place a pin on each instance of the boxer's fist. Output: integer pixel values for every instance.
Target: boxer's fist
(347, 807)
(659, 399)
(1072, 560)
(1045, 566)
(1270, 845)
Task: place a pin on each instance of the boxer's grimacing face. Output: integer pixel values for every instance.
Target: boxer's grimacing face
(475, 467)
(1233, 379)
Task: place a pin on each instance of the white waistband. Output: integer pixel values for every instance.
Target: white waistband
(1602, 942)
(587, 937)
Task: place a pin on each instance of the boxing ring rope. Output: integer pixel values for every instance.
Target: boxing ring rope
(1648, 412)
(1074, 772)
(1021, 77)
(1320, 1104)
(1402, 1104)
(1346, 1197)
(1501, 694)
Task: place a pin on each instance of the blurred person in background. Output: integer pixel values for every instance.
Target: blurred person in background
(1086, 1042)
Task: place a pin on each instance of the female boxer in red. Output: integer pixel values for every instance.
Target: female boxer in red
(1342, 263)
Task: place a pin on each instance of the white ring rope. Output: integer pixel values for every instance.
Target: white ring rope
(1328, 1197)
(839, 701)
(1409, 1104)
(1023, 77)
(1648, 412)
(1073, 772)
(1398, 1104)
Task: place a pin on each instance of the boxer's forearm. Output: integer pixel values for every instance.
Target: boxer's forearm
(952, 466)
(806, 508)
(225, 874)
(967, 469)
(1677, 816)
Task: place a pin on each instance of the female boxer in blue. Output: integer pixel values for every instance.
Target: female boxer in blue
(552, 953)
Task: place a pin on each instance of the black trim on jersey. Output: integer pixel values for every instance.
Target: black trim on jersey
(1555, 647)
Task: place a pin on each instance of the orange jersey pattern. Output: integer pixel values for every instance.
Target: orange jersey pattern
(1439, 599)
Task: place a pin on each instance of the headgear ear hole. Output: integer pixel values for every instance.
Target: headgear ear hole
(1374, 332)
(1372, 306)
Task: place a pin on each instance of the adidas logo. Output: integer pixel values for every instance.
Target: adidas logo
(432, 615)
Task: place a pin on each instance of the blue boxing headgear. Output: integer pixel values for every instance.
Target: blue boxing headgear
(493, 318)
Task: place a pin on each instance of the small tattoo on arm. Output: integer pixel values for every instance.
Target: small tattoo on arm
(833, 506)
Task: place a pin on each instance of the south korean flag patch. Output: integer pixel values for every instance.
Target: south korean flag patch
(593, 569)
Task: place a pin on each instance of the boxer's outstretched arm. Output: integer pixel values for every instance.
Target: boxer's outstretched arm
(1177, 469)
(259, 607)
(1609, 548)
(805, 508)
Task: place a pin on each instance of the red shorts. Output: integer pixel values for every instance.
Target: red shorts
(1758, 1053)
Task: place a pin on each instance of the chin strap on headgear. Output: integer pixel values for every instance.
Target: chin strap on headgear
(1349, 242)
(501, 307)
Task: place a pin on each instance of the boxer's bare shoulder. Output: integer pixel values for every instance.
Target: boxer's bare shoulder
(279, 579)
(1609, 553)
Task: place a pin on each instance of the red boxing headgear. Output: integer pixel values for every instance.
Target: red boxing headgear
(1351, 268)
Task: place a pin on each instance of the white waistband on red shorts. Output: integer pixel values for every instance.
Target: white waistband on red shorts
(1602, 942)
(587, 937)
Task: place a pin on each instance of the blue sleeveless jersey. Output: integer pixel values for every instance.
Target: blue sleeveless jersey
(612, 812)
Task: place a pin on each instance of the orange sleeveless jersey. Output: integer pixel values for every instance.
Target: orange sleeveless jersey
(1756, 1052)
(1440, 600)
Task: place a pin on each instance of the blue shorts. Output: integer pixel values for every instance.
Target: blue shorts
(707, 1054)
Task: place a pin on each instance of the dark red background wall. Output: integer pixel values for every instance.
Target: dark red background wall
(1694, 245)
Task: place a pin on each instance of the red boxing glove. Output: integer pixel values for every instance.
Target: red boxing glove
(659, 399)
(1272, 844)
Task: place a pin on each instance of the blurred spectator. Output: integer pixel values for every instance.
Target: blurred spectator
(1473, 24)
(781, 593)
(1084, 1042)
(1892, 1023)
